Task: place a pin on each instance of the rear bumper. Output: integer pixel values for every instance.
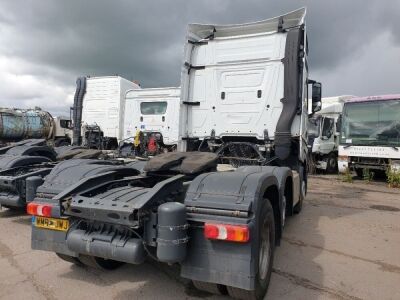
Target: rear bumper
(50, 240)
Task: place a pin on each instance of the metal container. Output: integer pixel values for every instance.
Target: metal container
(172, 232)
(19, 124)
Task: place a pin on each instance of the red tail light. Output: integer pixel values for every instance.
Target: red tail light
(37, 209)
(233, 233)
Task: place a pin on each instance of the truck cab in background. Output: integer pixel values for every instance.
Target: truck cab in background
(370, 134)
(151, 122)
(323, 134)
(99, 110)
(62, 131)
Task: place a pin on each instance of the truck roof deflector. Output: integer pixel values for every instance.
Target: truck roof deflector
(202, 31)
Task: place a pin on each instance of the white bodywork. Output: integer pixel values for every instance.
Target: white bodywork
(61, 127)
(104, 104)
(349, 151)
(241, 87)
(329, 102)
(322, 145)
(165, 123)
(368, 151)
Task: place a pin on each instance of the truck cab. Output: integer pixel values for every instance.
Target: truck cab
(323, 137)
(151, 121)
(62, 131)
(370, 134)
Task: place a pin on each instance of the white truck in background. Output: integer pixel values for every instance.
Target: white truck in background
(99, 109)
(323, 134)
(370, 134)
(62, 131)
(151, 122)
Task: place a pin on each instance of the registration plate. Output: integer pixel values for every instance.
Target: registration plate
(51, 223)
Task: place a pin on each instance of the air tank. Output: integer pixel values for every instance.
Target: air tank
(19, 124)
(172, 236)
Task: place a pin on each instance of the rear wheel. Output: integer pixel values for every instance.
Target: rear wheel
(70, 259)
(359, 172)
(331, 163)
(99, 263)
(266, 225)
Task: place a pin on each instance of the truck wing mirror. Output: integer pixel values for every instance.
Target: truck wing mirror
(316, 96)
(339, 124)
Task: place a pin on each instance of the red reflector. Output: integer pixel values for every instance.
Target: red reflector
(37, 209)
(31, 208)
(233, 233)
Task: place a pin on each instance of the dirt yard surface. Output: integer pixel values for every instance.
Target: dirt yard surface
(344, 245)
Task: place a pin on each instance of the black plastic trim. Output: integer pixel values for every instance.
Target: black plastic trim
(291, 99)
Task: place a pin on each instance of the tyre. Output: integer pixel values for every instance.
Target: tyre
(359, 172)
(332, 164)
(70, 259)
(212, 288)
(99, 263)
(266, 225)
(303, 190)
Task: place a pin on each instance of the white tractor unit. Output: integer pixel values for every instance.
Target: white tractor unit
(151, 122)
(244, 102)
(99, 109)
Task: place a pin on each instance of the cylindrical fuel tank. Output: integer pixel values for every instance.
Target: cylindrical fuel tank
(19, 124)
(171, 232)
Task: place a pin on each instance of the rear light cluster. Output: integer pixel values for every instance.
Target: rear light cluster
(343, 158)
(37, 209)
(225, 232)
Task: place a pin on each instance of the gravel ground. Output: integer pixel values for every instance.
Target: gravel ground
(344, 245)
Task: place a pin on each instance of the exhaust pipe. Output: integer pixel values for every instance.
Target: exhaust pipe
(77, 110)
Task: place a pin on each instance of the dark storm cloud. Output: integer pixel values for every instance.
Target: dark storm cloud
(144, 39)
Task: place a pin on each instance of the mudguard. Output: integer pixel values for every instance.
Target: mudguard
(11, 161)
(70, 173)
(28, 142)
(29, 150)
(233, 198)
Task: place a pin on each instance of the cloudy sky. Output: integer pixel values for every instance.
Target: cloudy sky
(46, 44)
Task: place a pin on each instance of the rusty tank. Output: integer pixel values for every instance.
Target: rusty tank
(19, 124)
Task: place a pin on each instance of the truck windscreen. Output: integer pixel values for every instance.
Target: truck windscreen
(371, 123)
(153, 108)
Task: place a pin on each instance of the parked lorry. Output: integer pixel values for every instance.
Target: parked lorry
(370, 134)
(19, 124)
(323, 134)
(244, 97)
(98, 111)
(151, 123)
(24, 165)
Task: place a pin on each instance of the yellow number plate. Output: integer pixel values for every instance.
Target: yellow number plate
(51, 223)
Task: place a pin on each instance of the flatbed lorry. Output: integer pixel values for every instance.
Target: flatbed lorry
(220, 227)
